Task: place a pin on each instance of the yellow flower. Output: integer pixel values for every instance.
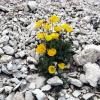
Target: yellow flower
(55, 35)
(52, 52)
(41, 48)
(52, 69)
(39, 23)
(41, 35)
(54, 19)
(61, 65)
(47, 26)
(57, 28)
(67, 27)
(48, 37)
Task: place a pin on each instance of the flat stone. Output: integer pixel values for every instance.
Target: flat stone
(87, 96)
(55, 81)
(29, 96)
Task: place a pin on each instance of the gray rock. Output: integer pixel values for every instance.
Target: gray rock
(8, 89)
(5, 58)
(20, 54)
(5, 70)
(32, 86)
(91, 53)
(2, 97)
(29, 96)
(10, 97)
(15, 80)
(10, 66)
(76, 93)
(1, 51)
(39, 94)
(87, 96)
(92, 73)
(18, 96)
(55, 81)
(32, 5)
(4, 39)
(32, 60)
(61, 98)
(46, 88)
(75, 82)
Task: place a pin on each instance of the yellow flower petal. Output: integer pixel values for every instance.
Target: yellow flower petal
(39, 23)
(47, 26)
(61, 65)
(52, 52)
(41, 48)
(52, 69)
(67, 27)
(54, 19)
(48, 37)
(55, 35)
(57, 28)
(41, 35)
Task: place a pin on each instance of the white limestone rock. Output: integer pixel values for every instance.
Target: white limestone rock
(55, 81)
(87, 96)
(18, 96)
(92, 73)
(75, 82)
(91, 53)
(29, 96)
(39, 94)
(5, 58)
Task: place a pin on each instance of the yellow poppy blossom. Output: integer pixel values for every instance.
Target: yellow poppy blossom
(39, 23)
(52, 69)
(54, 19)
(67, 27)
(47, 26)
(61, 65)
(52, 52)
(41, 35)
(55, 35)
(57, 28)
(41, 48)
(48, 37)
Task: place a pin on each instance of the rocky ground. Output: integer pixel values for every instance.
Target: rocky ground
(19, 79)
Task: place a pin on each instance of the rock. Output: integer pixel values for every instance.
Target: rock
(29, 96)
(83, 78)
(8, 89)
(18, 96)
(92, 73)
(15, 80)
(20, 54)
(5, 58)
(75, 82)
(55, 81)
(46, 88)
(32, 67)
(91, 53)
(2, 97)
(10, 66)
(32, 5)
(87, 96)
(51, 98)
(2, 89)
(31, 60)
(5, 9)
(8, 50)
(61, 98)
(39, 94)
(36, 79)
(1, 51)
(4, 39)
(76, 93)
(10, 96)
(5, 70)
(32, 86)
(76, 44)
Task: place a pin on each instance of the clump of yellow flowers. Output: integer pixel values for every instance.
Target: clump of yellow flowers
(55, 51)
